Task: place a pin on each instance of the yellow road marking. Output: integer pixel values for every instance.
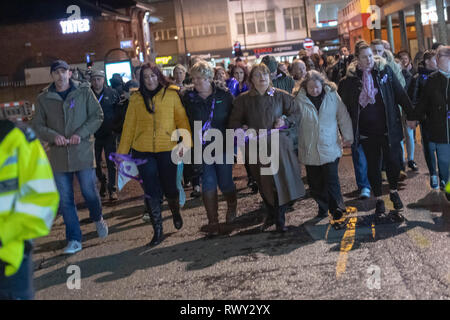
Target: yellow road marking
(346, 245)
(419, 239)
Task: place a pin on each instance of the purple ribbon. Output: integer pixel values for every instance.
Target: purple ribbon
(268, 133)
(100, 99)
(72, 103)
(207, 124)
(118, 158)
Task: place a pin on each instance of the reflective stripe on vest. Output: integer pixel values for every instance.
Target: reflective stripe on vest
(44, 213)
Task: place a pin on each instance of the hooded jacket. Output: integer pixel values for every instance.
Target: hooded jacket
(318, 137)
(417, 84)
(79, 114)
(392, 94)
(284, 82)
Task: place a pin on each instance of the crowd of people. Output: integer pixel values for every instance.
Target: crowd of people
(369, 100)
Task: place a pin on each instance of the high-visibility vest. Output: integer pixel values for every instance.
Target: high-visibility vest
(28, 195)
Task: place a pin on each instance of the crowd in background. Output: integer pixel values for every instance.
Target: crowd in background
(369, 100)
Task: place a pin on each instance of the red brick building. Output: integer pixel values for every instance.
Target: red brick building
(32, 39)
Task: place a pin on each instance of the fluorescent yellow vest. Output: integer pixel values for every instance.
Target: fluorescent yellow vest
(28, 195)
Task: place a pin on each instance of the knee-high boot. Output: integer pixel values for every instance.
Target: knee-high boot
(211, 205)
(156, 219)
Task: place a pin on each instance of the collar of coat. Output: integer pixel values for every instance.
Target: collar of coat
(303, 98)
(269, 92)
(192, 93)
(379, 65)
(74, 84)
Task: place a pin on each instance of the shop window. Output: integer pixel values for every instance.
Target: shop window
(261, 21)
(240, 23)
(250, 22)
(270, 20)
(294, 18)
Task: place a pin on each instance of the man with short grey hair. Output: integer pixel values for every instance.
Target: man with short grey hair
(67, 116)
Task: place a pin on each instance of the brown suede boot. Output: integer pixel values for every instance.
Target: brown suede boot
(211, 205)
(231, 198)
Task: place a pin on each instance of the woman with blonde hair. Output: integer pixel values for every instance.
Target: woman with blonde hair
(322, 114)
(265, 107)
(210, 104)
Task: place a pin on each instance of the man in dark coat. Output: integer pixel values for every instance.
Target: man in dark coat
(105, 138)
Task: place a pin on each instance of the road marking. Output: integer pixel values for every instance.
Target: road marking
(346, 245)
(419, 239)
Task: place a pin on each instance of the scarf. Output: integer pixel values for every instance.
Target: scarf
(368, 91)
(148, 96)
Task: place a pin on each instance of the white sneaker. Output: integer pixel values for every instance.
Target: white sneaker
(434, 182)
(102, 228)
(146, 217)
(73, 247)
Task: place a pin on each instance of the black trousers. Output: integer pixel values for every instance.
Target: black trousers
(376, 149)
(109, 145)
(325, 187)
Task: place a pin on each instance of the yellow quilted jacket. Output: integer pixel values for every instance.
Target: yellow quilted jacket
(151, 132)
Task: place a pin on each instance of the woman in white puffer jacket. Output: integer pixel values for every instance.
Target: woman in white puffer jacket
(319, 142)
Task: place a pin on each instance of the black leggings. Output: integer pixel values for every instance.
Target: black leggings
(325, 187)
(376, 149)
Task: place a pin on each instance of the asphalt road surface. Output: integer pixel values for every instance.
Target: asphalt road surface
(366, 260)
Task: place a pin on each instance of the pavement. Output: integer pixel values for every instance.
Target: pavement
(366, 260)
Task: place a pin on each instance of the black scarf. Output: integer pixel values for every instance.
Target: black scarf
(317, 101)
(148, 96)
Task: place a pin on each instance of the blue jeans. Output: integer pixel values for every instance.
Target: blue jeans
(221, 175)
(429, 151)
(409, 140)
(443, 157)
(360, 166)
(64, 183)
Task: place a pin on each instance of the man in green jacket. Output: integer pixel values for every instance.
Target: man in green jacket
(279, 79)
(67, 116)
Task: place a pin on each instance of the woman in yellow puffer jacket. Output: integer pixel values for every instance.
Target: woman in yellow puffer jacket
(154, 112)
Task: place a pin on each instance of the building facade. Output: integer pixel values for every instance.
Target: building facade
(78, 34)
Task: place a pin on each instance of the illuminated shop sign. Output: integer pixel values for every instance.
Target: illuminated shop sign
(75, 26)
(126, 44)
(163, 60)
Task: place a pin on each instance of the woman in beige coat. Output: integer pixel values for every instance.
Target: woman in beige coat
(319, 145)
(264, 107)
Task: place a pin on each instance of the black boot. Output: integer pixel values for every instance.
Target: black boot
(174, 206)
(103, 187)
(269, 218)
(231, 198)
(156, 219)
(281, 218)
